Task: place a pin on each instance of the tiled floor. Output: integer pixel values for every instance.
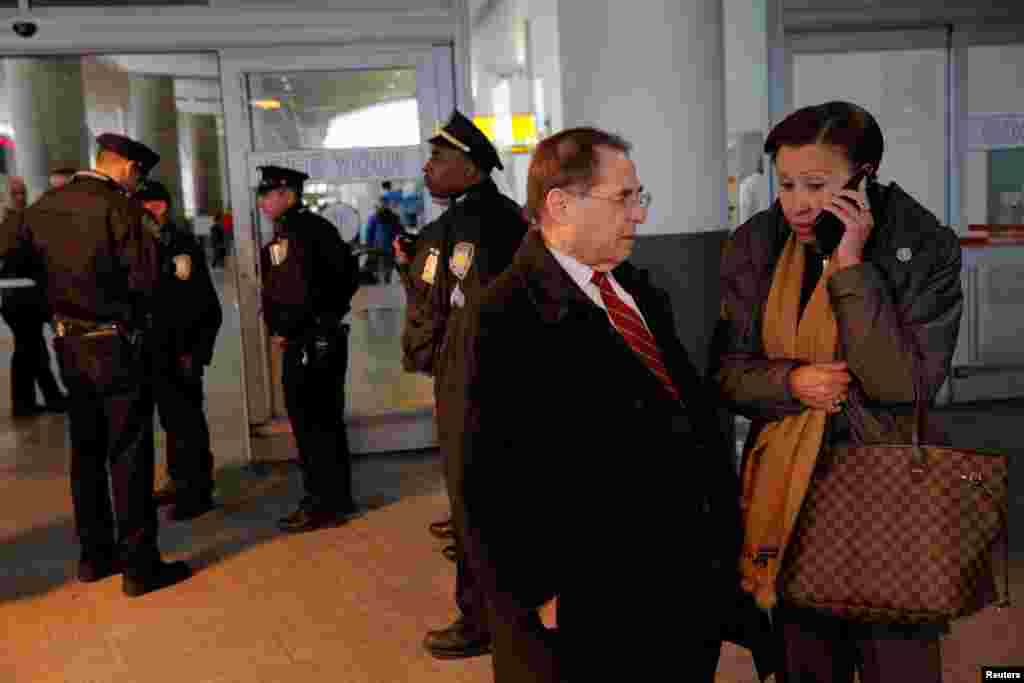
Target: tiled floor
(344, 605)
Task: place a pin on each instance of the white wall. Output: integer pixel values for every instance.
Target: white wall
(746, 65)
(995, 84)
(532, 70)
(654, 72)
(906, 92)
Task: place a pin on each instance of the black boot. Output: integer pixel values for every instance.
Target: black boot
(458, 641)
(310, 516)
(97, 565)
(153, 576)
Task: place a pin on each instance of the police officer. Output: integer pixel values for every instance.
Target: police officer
(25, 311)
(186, 318)
(309, 276)
(455, 257)
(100, 253)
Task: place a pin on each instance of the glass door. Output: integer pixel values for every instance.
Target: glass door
(355, 122)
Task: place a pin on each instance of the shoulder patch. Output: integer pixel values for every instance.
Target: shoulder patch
(430, 266)
(462, 259)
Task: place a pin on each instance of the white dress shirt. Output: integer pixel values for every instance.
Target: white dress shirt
(581, 274)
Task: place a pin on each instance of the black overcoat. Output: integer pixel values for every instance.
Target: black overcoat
(585, 480)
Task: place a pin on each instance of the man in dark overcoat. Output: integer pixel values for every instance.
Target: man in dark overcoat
(600, 494)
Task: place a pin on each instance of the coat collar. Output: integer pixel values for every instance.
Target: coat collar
(286, 222)
(481, 189)
(889, 204)
(553, 291)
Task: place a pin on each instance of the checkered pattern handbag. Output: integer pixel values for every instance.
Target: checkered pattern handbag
(899, 533)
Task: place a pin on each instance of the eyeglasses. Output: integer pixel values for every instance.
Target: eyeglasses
(641, 199)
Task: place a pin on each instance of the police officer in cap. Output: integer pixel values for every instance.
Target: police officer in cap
(309, 277)
(100, 252)
(186, 318)
(453, 259)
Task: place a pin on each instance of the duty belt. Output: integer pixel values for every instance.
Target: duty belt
(74, 327)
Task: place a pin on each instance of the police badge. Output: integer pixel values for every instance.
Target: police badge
(462, 259)
(183, 266)
(278, 251)
(460, 263)
(430, 266)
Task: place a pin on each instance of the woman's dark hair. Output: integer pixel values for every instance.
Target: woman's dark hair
(834, 123)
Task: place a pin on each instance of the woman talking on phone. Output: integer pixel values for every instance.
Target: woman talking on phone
(838, 302)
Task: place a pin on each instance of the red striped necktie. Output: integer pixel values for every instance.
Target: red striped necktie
(631, 326)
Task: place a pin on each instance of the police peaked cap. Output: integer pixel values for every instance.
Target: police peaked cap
(460, 133)
(273, 177)
(129, 149)
(153, 191)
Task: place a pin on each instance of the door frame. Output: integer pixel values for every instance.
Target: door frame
(436, 95)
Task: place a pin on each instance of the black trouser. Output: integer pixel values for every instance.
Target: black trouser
(470, 595)
(30, 362)
(818, 649)
(469, 591)
(315, 400)
(112, 467)
(179, 400)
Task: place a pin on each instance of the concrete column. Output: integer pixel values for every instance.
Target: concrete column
(669, 102)
(154, 117)
(225, 187)
(206, 164)
(48, 116)
(780, 73)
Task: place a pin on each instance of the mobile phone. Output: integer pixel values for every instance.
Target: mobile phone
(828, 229)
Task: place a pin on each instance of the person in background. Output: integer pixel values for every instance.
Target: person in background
(25, 311)
(186, 318)
(752, 195)
(454, 259)
(309, 278)
(218, 241)
(384, 226)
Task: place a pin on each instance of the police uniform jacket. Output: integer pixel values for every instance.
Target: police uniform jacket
(475, 238)
(187, 313)
(99, 248)
(315, 283)
(585, 479)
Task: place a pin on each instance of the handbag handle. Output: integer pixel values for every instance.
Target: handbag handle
(919, 460)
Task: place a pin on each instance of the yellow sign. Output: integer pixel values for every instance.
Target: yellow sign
(524, 131)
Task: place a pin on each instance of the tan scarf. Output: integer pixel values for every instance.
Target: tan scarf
(777, 471)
